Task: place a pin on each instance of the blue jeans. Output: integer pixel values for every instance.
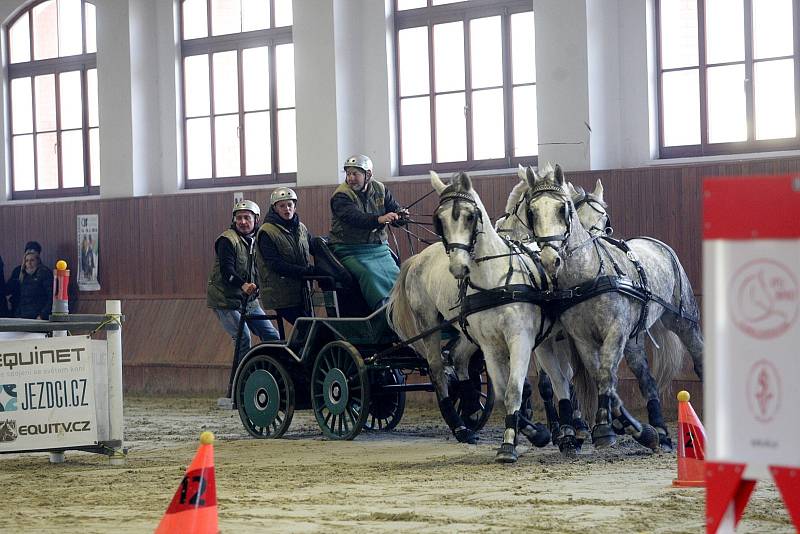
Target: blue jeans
(263, 328)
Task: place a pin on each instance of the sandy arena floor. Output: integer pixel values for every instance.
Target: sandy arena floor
(415, 478)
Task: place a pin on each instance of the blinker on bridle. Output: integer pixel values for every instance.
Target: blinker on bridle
(455, 197)
(538, 190)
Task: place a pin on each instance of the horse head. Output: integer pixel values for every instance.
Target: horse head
(458, 220)
(592, 209)
(550, 214)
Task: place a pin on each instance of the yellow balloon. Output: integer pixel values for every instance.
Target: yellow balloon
(61, 265)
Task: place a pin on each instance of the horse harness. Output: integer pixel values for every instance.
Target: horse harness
(620, 283)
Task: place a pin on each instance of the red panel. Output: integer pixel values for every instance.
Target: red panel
(755, 207)
(788, 481)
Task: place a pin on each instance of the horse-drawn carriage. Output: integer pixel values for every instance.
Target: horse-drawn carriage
(351, 371)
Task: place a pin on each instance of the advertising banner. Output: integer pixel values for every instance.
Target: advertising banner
(88, 253)
(751, 283)
(47, 394)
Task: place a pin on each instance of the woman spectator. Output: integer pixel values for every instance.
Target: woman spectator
(32, 290)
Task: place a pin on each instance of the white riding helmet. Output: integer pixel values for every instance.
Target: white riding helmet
(247, 205)
(359, 161)
(282, 193)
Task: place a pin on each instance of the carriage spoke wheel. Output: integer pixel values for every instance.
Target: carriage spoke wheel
(264, 394)
(340, 390)
(479, 377)
(386, 407)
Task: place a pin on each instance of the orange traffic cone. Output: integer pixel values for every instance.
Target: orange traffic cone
(691, 445)
(193, 509)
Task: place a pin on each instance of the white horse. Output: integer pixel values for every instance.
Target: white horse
(631, 290)
(476, 256)
(667, 362)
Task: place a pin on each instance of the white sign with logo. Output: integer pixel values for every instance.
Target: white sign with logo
(47, 395)
(754, 326)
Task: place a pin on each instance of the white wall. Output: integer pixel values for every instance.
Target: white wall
(593, 65)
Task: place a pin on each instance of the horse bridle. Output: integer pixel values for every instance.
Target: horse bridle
(538, 190)
(456, 197)
(593, 202)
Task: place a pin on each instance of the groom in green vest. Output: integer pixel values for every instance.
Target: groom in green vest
(361, 208)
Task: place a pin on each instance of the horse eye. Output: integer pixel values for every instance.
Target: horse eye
(563, 211)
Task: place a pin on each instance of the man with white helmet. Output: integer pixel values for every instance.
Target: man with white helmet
(361, 209)
(231, 287)
(284, 257)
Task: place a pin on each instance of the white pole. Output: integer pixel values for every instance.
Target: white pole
(114, 347)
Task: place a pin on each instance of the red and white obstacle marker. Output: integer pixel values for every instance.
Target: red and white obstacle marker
(751, 316)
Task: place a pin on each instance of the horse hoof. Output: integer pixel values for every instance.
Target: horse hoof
(648, 437)
(465, 435)
(506, 454)
(568, 446)
(537, 434)
(555, 430)
(581, 429)
(603, 436)
(664, 440)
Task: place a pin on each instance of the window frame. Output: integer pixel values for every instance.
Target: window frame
(465, 12)
(751, 145)
(270, 38)
(82, 63)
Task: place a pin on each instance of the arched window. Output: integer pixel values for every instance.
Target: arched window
(466, 84)
(238, 87)
(727, 76)
(52, 77)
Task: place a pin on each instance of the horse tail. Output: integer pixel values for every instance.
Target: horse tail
(584, 383)
(399, 313)
(667, 360)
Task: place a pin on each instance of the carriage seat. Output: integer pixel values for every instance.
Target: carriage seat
(335, 277)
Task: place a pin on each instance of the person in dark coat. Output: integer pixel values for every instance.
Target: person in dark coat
(284, 257)
(32, 289)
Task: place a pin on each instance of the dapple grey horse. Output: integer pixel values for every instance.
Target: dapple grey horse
(667, 362)
(621, 292)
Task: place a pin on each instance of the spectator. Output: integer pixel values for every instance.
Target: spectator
(12, 289)
(32, 289)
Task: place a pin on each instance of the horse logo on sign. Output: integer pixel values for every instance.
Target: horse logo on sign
(764, 299)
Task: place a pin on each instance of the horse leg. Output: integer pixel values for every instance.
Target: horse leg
(436, 368)
(578, 422)
(636, 357)
(546, 393)
(545, 350)
(645, 434)
(468, 388)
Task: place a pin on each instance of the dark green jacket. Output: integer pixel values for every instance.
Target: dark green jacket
(372, 204)
(276, 290)
(219, 293)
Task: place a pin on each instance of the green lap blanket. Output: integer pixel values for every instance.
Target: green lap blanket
(373, 266)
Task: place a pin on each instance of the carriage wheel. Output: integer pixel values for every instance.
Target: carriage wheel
(386, 407)
(483, 384)
(264, 394)
(340, 390)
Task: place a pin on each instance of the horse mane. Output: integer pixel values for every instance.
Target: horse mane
(515, 196)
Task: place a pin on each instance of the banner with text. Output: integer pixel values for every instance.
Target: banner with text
(46, 394)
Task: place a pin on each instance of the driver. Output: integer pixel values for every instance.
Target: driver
(361, 207)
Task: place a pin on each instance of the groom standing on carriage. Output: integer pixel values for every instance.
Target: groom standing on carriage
(361, 207)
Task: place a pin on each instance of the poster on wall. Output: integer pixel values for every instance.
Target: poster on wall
(88, 253)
